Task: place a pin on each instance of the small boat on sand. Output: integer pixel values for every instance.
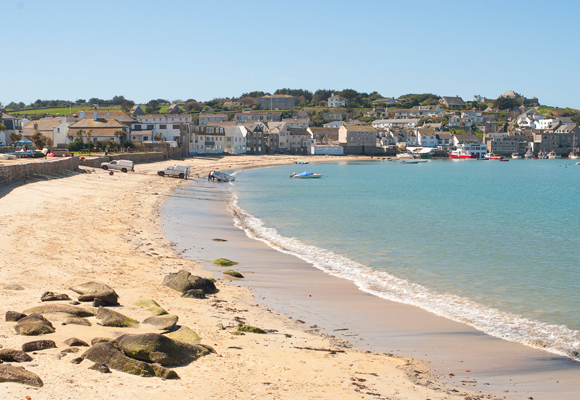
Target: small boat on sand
(305, 175)
(220, 177)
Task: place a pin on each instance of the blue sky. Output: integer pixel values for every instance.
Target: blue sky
(206, 49)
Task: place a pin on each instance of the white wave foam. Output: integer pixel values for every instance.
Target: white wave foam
(557, 339)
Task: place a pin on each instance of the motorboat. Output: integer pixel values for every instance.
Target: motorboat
(493, 157)
(529, 155)
(406, 155)
(305, 175)
(469, 151)
(300, 162)
(516, 155)
(552, 155)
(220, 177)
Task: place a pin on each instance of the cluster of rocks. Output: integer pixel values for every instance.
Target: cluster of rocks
(141, 354)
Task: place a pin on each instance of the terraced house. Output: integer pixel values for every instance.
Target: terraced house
(357, 138)
(160, 126)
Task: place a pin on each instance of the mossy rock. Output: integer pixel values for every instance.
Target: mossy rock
(237, 333)
(251, 329)
(224, 262)
(61, 308)
(155, 348)
(183, 281)
(212, 279)
(233, 273)
(151, 305)
(185, 334)
(113, 318)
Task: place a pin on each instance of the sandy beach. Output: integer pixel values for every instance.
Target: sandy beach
(107, 228)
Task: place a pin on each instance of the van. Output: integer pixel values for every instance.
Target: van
(120, 165)
(181, 171)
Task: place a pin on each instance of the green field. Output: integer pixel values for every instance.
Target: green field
(54, 111)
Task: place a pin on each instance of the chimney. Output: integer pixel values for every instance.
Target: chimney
(108, 114)
(95, 114)
(81, 115)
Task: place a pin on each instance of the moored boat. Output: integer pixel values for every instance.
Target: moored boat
(469, 151)
(406, 155)
(552, 155)
(529, 155)
(516, 155)
(493, 157)
(305, 175)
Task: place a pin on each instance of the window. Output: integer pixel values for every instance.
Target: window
(150, 127)
(176, 126)
(162, 126)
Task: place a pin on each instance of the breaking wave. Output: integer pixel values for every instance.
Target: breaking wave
(557, 339)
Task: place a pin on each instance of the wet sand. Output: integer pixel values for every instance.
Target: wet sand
(335, 306)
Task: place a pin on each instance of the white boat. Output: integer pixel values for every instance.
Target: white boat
(552, 155)
(305, 175)
(493, 157)
(469, 151)
(220, 177)
(529, 155)
(516, 155)
(572, 154)
(405, 156)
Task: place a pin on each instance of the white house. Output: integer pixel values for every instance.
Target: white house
(527, 119)
(426, 137)
(167, 125)
(395, 123)
(235, 142)
(336, 101)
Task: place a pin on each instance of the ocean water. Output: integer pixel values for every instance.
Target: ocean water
(495, 245)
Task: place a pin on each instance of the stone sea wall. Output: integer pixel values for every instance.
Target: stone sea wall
(36, 169)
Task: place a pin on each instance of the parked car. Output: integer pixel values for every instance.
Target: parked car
(120, 165)
(181, 171)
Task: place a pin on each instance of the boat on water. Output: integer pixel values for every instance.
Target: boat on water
(552, 155)
(413, 161)
(529, 155)
(572, 154)
(406, 155)
(300, 162)
(220, 177)
(469, 151)
(305, 175)
(516, 155)
(493, 157)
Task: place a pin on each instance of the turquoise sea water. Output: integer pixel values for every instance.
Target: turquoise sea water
(492, 244)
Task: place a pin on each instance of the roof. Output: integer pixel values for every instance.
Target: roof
(161, 117)
(510, 94)
(445, 135)
(321, 132)
(359, 128)
(424, 108)
(43, 124)
(296, 120)
(7, 116)
(136, 106)
(100, 123)
(250, 113)
(299, 132)
(427, 132)
(468, 138)
(453, 101)
(221, 115)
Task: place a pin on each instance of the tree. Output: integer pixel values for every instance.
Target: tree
(576, 119)
(127, 105)
(41, 141)
(504, 103)
(120, 135)
(478, 98)
(2, 127)
(118, 100)
(89, 134)
(152, 107)
(15, 137)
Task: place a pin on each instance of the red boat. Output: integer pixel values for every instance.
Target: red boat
(469, 151)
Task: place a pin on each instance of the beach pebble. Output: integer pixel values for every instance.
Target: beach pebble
(13, 286)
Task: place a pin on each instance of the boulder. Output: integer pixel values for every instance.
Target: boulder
(107, 354)
(13, 286)
(14, 316)
(102, 368)
(50, 296)
(249, 328)
(9, 373)
(183, 281)
(69, 350)
(72, 342)
(156, 348)
(184, 334)
(91, 288)
(109, 297)
(77, 360)
(194, 294)
(163, 322)
(38, 345)
(14, 355)
(150, 305)
(33, 325)
(113, 318)
(99, 303)
(78, 321)
(61, 308)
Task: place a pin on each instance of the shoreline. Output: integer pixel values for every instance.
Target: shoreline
(446, 345)
(97, 227)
